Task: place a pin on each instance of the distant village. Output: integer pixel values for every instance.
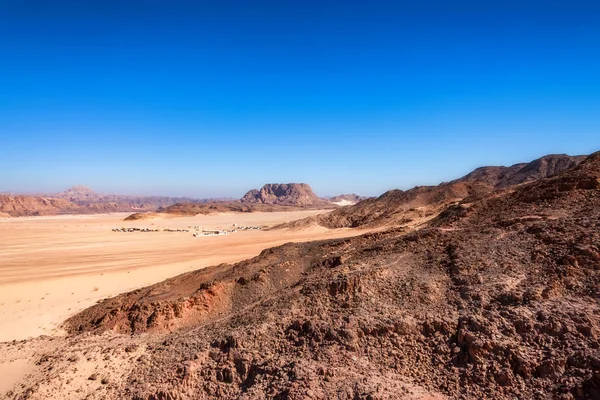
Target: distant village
(197, 230)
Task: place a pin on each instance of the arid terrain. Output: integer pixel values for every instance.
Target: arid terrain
(300, 200)
(486, 287)
(51, 267)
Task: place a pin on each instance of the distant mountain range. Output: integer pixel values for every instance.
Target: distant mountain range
(83, 200)
(391, 206)
(18, 206)
(84, 196)
(404, 207)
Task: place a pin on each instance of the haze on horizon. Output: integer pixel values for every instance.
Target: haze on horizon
(202, 99)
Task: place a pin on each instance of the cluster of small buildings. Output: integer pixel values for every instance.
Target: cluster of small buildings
(198, 229)
(249, 228)
(214, 232)
(135, 230)
(147, 230)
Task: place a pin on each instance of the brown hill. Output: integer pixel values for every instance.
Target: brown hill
(291, 194)
(496, 298)
(490, 175)
(543, 167)
(18, 206)
(397, 207)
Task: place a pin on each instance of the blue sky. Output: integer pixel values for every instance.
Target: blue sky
(214, 98)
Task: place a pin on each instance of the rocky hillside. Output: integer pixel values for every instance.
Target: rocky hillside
(495, 298)
(291, 194)
(397, 207)
(544, 167)
(422, 203)
(18, 206)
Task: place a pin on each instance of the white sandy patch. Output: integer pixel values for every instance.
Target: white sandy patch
(344, 203)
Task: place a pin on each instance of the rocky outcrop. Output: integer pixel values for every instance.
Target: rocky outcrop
(290, 194)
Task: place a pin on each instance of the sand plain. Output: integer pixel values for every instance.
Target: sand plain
(52, 267)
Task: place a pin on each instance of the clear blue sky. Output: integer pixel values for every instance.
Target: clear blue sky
(213, 98)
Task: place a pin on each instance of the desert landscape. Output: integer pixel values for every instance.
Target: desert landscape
(54, 266)
(299, 200)
(483, 287)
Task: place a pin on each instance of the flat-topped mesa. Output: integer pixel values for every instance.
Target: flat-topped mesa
(290, 194)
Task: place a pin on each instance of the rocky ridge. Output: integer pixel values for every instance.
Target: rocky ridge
(543, 167)
(421, 203)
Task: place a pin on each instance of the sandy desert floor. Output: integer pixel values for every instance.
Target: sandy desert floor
(53, 267)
